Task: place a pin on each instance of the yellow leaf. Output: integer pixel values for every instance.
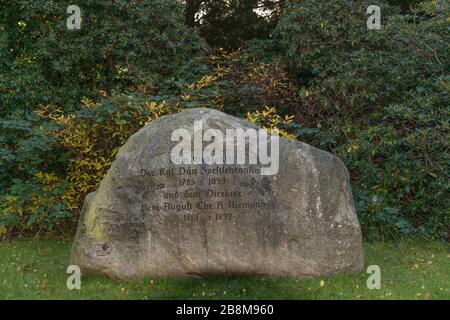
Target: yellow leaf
(3, 230)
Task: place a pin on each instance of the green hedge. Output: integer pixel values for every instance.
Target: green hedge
(378, 99)
(125, 46)
(381, 100)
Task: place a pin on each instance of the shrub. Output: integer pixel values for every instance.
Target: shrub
(94, 134)
(31, 175)
(236, 83)
(46, 70)
(380, 99)
(120, 43)
(271, 121)
(32, 207)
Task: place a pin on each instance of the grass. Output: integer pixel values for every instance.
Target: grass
(414, 269)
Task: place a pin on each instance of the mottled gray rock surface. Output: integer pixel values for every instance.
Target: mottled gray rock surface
(150, 217)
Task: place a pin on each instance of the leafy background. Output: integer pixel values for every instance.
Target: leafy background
(377, 99)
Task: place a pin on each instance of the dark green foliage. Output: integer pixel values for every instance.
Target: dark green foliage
(405, 5)
(29, 197)
(122, 45)
(228, 24)
(26, 143)
(381, 99)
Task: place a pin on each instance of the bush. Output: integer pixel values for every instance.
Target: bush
(94, 134)
(31, 175)
(378, 99)
(46, 69)
(381, 101)
(86, 142)
(120, 43)
(228, 24)
(237, 83)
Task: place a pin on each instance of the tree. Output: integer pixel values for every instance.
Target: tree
(229, 23)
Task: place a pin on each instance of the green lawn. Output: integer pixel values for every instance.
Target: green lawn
(415, 269)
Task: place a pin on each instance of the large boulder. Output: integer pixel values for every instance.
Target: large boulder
(153, 216)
